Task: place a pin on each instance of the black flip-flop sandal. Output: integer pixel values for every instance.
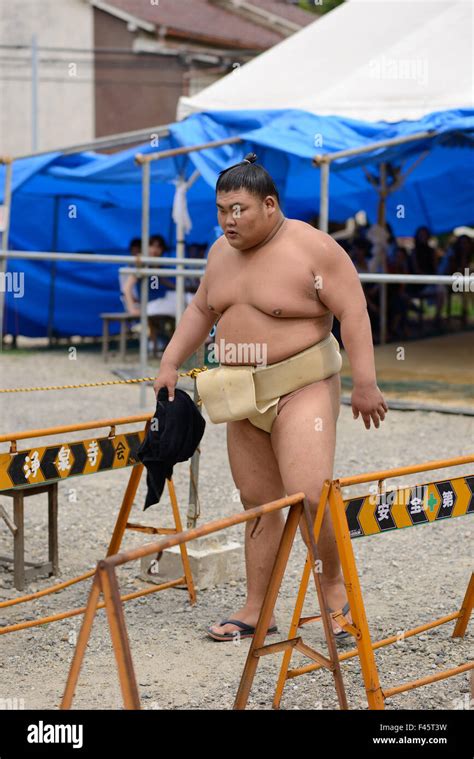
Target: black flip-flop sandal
(248, 631)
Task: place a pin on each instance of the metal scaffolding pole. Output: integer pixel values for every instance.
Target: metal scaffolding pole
(98, 258)
(142, 272)
(181, 253)
(145, 160)
(324, 198)
(7, 196)
(53, 271)
(180, 256)
(104, 143)
(323, 161)
(34, 92)
(383, 192)
(371, 147)
(144, 281)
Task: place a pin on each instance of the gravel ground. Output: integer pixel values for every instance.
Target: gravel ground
(408, 577)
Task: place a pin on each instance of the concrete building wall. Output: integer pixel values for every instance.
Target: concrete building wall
(133, 90)
(65, 102)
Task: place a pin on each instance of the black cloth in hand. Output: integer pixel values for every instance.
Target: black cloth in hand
(174, 433)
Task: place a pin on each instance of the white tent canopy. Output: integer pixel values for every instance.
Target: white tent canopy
(367, 59)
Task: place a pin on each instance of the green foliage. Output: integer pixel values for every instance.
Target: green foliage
(319, 6)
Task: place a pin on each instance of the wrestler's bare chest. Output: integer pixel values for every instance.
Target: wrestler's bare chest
(269, 295)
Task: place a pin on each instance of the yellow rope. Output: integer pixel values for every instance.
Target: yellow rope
(191, 373)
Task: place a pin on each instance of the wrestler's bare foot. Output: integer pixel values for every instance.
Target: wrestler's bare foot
(246, 614)
(336, 597)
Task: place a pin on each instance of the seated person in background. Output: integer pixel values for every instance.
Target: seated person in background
(161, 290)
(126, 295)
(162, 302)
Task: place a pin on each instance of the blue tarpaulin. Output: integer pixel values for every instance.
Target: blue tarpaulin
(92, 202)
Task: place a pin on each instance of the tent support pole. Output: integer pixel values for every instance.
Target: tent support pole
(324, 196)
(52, 282)
(7, 197)
(181, 254)
(381, 222)
(144, 280)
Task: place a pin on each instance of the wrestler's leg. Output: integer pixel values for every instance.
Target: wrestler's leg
(303, 437)
(256, 476)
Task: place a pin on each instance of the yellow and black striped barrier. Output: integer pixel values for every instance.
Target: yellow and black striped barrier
(408, 506)
(47, 464)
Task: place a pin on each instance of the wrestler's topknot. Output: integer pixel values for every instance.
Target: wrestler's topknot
(249, 176)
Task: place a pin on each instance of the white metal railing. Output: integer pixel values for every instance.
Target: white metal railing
(95, 258)
(464, 282)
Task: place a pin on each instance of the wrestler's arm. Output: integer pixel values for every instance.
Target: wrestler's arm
(341, 292)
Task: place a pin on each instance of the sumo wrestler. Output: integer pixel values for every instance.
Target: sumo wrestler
(276, 283)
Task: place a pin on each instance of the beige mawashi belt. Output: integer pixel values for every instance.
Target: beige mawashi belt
(230, 393)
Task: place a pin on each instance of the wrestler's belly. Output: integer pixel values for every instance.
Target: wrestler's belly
(260, 335)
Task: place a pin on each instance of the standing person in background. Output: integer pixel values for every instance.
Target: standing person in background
(398, 299)
(425, 260)
(459, 256)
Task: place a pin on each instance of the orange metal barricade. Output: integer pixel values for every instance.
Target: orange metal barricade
(457, 495)
(105, 583)
(116, 451)
(399, 512)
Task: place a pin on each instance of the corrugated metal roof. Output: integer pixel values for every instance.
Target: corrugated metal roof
(201, 19)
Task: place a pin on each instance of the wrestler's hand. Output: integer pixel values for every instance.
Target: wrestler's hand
(368, 401)
(167, 377)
